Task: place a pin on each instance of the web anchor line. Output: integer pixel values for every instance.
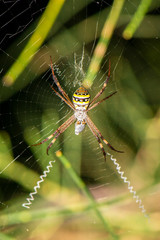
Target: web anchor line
(30, 199)
(130, 188)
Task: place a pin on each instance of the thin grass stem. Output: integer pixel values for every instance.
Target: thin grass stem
(46, 22)
(136, 19)
(103, 42)
(78, 181)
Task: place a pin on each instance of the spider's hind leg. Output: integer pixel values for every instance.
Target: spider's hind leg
(58, 132)
(44, 140)
(99, 141)
(101, 147)
(107, 143)
(96, 130)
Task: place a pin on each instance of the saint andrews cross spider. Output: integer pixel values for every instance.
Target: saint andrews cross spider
(80, 105)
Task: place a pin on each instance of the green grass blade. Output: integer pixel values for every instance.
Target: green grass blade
(73, 151)
(103, 43)
(6, 237)
(17, 172)
(78, 181)
(137, 19)
(48, 18)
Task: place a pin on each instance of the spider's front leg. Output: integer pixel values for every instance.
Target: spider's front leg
(104, 86)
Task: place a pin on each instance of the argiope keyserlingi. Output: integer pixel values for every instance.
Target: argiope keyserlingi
(81, 105)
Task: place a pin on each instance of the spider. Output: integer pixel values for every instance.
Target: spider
(81, 105)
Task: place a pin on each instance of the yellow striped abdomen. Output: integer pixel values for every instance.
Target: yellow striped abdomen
(81, 98)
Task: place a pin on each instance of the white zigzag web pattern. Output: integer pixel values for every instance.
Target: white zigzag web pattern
(31, 198)
(130, 188)
(118, 167)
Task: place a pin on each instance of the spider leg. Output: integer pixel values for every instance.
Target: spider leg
(59, 95)
(99, 141)
(58, 85)
(104, 86)
(94, 105)
(44, 140)
(90, 123)
(59, 130)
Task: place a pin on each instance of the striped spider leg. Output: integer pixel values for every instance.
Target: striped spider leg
(104, 86)
(80, 105)
(98, 139)
(57, 133)
(97, 103)
(60, 88)
(98, 135)
(68, 122)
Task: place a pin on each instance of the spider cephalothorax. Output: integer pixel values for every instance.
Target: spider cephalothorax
(81, 105)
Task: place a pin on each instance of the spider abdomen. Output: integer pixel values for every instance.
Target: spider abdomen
(81, 98)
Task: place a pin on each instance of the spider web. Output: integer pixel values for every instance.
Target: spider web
(30, 111)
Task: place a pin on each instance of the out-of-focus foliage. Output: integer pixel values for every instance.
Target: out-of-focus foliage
(130, 121)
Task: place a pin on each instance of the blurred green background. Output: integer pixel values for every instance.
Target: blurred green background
(82, 197)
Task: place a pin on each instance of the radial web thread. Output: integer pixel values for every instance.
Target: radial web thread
(30, 199)
(130, 188)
